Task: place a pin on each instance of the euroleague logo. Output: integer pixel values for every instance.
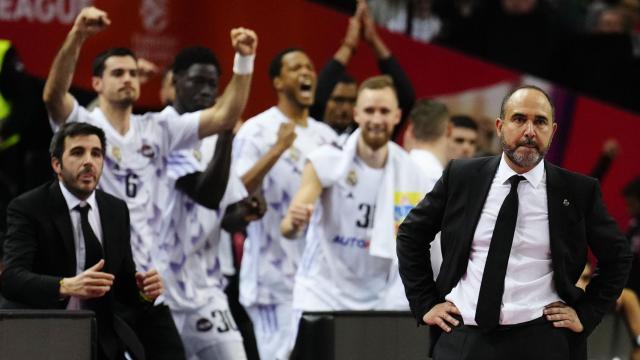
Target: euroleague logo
(154, 15)
(203, 325)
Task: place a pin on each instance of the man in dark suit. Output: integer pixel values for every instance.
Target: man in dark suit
(515, 233)
(67, 245)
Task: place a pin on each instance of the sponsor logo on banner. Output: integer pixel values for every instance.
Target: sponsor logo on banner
(42, 11)
(403, 202)
(153, 43)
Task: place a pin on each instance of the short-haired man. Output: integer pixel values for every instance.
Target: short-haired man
(67, 244)
(353, 199)
(515, 235)
(137, 145)
(269, 153)
(463, 138)
(193, 275)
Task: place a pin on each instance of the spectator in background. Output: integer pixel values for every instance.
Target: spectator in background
(463, 138)
(414, 18)
(336, 92)
(269, 152)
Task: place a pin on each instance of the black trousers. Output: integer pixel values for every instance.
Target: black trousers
(535, 340)
(159, 335)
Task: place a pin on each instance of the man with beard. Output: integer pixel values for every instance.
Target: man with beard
(269, 153)
(515, 234)
(67, 244)
(137, 145)
(353, 199)
(193, 277)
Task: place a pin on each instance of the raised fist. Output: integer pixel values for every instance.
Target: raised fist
(90, 21)
(244, 41)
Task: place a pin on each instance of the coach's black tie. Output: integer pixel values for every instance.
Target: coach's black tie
(492, 287)
(92, 247)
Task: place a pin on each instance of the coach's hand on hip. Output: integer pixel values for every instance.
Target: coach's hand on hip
(440, 315)
(563, 315)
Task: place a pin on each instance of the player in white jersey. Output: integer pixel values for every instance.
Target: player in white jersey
(427, 140)
(193, 276)
(269, 153)
(137, 145)
(361, 193)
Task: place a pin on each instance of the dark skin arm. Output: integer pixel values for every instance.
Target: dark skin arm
(207, 188)
(239, 214)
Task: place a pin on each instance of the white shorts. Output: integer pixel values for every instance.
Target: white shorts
(273, 330)
(211, 326)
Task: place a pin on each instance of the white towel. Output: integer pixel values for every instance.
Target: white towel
(401, 188)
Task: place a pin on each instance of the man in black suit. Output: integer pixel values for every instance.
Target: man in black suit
(67, 245)
(515, 233)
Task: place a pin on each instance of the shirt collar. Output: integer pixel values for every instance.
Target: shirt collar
(73, 201)
(533, 176)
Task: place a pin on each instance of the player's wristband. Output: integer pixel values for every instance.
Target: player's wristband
(243, 65)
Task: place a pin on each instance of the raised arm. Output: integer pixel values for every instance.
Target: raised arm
(331, 72)
(301, 207)
(229, 107)
(252, 179)
(56, 96)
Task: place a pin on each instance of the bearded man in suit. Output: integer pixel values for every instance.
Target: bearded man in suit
(67, 245)
(515, 235)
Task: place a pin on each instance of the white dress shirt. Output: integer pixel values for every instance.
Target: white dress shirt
(78, 237)
(528, 283)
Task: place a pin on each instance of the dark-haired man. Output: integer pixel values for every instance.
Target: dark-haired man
(193, 276)
(269, 153)
(515, 234)
(137, 145)
(463, 138)
(67, 244)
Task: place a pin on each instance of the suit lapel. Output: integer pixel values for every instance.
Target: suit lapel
(62, 220)
(560, 206)
(108, 231)
(477, 194)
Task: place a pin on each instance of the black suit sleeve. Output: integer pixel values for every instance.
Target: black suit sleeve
(415, 234)
(125, 287)
(19, 283)
(327, 80)
(614, 263)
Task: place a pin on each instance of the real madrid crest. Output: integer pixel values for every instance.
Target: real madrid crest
(352, 178)
(294, 154)
(197, 154)
(116, 153)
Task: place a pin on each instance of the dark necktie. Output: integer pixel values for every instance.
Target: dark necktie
(92, 247)
(492, 287)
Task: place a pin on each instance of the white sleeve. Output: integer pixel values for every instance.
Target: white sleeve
(183, 130)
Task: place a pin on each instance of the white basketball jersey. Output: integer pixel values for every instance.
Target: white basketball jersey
(270, 260)
(337, 272)
(193, 276)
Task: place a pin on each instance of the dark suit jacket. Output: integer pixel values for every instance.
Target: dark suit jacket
(577, 220)
(39, 251)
